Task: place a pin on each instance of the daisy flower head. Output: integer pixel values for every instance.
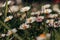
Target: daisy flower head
(14, 30)
(50, 21)
(53, 16)
(46, 6)
(3, 35)
(30, 20)
(56, 24)
(47, 11)
(9, 33)
(24, 26)
(56, 8)
(35, 13)
(24, 9)
(13, 9)
(8, 18)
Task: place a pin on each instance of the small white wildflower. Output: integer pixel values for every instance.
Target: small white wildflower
(56, 8)
(47, 11)
(8, 18)
(46, 6)
(24, 26)
(13, 9)
(8, 3)
(27, 8)
(53, 15)
(50, 21)
(30, 20)
(35, 13)
(3, 35)
(9, 33)
(14, 30)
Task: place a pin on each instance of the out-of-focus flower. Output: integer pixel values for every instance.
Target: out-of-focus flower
(3, 35)
(41, 37)
(24, 9)
(19, 1)
(9, 33)
(30, 20)
(56, 24)
(24, 26)
(0, 14)
(56, 8)
(14, 30)
(1, 4)
(8, 3)
(50, 22)
(39, 18)
(46, 6)
(48, 35)
(8, 18)
(35, 13)
(53, 16)
(46, 11)
(13, 9)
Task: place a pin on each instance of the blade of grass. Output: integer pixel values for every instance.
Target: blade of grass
(6, 8)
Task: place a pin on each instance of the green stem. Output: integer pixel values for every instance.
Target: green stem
(6, 8)
(16, 35)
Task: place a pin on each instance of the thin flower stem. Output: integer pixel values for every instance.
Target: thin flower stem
(6, 8)
(16, 35)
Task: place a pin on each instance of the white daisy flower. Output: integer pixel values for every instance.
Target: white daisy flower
(56, 24)
(50, 21)
(13, 9)
(53, 15)
(9, 33)
(24, 9)
(3, 35)
(56, 8)
(8, 18)
(14, 30)
(30, 20)
(35, 13)
(8, 3)
(0, 14)
(46, 6)
(24, 26)
(47, 11)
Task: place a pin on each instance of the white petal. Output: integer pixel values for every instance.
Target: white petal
(3, 35)
(14, 30)
(27, 8)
